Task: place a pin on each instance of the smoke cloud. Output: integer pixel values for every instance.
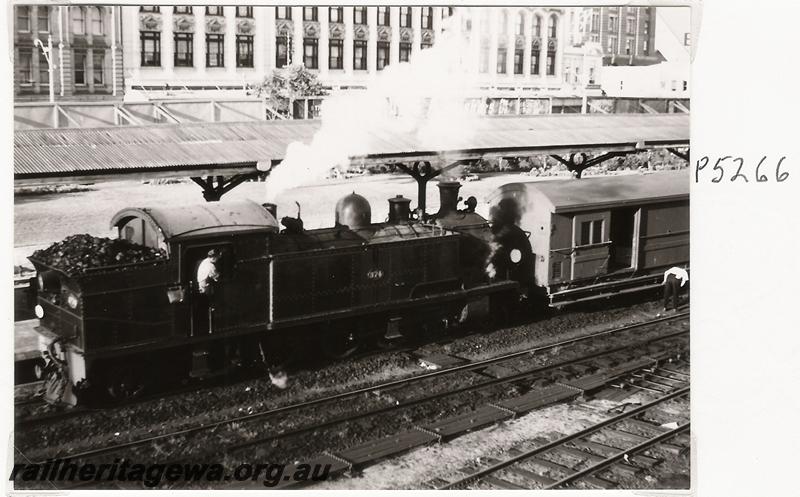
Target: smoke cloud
(422, 99)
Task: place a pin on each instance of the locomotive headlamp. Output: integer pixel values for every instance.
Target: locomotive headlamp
(515, 255)
(39, 311)
(72, 301)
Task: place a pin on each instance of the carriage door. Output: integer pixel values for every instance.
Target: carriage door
(590, 247)
(624, 238)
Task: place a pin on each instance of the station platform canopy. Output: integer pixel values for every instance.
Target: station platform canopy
(226, 149)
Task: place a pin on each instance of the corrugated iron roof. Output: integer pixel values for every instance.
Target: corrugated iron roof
(184, 147)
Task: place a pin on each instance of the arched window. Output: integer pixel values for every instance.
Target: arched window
(537, 26)
(520, 24)
(78, 21)
(535, 49)
(551, 27)
(97, 20)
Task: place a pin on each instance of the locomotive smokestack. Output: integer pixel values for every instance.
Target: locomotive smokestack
(399, 210)
(448, 197)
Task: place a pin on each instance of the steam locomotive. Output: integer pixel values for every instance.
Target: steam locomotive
(121, 328)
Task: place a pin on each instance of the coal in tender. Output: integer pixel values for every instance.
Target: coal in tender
(78, 253)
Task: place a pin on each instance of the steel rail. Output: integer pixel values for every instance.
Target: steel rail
(235, 447)
(563, 440)
(623, 452)
(413, 379)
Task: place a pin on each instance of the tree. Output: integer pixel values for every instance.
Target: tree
(287, 84)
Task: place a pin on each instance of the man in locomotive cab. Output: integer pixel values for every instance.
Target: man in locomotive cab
(208, 275)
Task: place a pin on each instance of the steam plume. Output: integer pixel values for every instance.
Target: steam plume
(422, 99)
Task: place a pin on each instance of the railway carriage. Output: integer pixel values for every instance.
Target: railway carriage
(602, 236)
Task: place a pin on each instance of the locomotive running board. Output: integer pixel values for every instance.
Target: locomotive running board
(396, 305)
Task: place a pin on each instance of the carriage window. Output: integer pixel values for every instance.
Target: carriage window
(591, 232)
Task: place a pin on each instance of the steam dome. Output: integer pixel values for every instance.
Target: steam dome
(353, 211)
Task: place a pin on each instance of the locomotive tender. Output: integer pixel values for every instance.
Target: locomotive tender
(122, 328)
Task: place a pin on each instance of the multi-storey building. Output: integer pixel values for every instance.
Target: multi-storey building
(626, 35)
(227, 47)
(85, 57)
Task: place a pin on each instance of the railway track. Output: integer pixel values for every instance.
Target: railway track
(135, 449)
(535, 469)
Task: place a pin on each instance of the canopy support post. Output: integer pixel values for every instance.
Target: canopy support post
(577, 163)
(214, 192)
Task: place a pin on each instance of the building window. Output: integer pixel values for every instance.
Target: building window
(78, 21)
(98, 67)
(44, 72)
(535, 59)
(519, 56)
(612, 23)
(335, 53)
(405, 51)
(309, 13)
(283, 13)
(427, 17)
(97, 20)
(149, 8)
(484, 61)
(687, 39)
(183, 10)
(360, 55)
(551, 62)
(685, 85)
(25, 65)
(214, 10)
(359, 15)
(79, 61)
(383, 54)
(425, 45)
(24, 19)
(184, 43)
(629, 24)
(244, 51)
(520, 24)
(595, 27)
(383, 16)
(310, 52)
(537, 27)
(628, 46)
(591, 232)
(215, 50)
(151, 48)
(43, 19)
(612, 44)
(405, 17)
(336, 14)
(646, 28)
(552, 28)
(282, 51)
(645, 47)
(447, 12)
(501, 61)
(244, 11)
(591, 75)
